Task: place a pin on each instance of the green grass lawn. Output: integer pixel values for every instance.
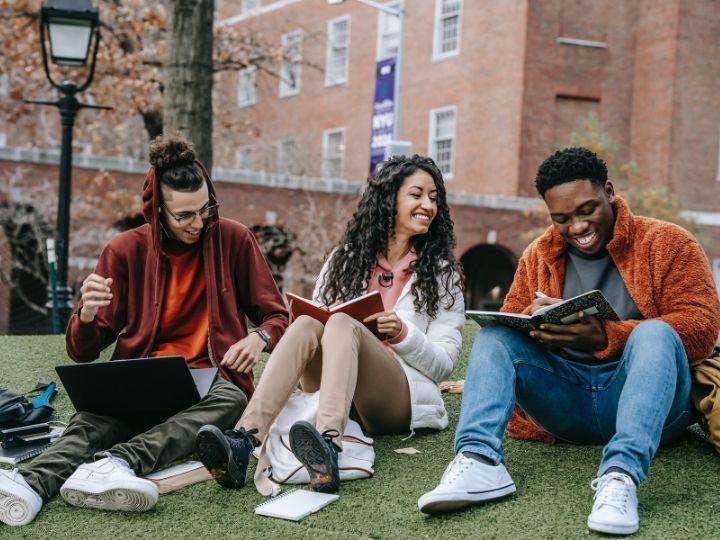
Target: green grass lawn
(553, 499)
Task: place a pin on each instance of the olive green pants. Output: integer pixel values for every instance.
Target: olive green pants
(146, 446)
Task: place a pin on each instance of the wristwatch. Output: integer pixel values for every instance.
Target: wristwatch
(265, 337)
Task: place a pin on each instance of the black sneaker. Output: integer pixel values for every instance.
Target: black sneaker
(225, 455)
(319, 455)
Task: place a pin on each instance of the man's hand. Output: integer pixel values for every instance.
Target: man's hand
(586, 335)
(388, 323)
(96, 293)
(543, 301)
(243, 355)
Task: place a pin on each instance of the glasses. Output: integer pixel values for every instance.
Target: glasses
(187, 217)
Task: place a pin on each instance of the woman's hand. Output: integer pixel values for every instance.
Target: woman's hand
(96, 293)
(543, 301)
(388, 323)
(243, 355)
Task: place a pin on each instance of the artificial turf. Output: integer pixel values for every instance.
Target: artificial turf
(553, 499)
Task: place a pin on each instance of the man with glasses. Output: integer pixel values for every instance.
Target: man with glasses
(184, 284)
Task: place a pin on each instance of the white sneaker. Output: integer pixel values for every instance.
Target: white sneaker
(467, 482)
(109, 484)
(615, 508)
(19, 503)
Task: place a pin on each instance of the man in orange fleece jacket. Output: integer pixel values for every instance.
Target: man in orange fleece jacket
(625, 384)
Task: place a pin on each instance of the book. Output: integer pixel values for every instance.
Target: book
(357, 308)
(17, 454)
(295, 504)
(565, 312)
(178, 476)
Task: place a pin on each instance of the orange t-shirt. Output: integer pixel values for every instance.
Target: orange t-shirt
(183, 326)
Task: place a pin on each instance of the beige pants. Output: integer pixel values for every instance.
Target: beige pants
(347, 364)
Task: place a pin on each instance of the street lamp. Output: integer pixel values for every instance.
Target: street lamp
(400, 14)
(72, 28)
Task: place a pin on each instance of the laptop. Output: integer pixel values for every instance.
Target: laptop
(161, 386)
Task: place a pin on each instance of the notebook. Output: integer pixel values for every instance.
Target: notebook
(160, 386)
(358, 308)
(22, 453)
(179, 476)
(295, 504)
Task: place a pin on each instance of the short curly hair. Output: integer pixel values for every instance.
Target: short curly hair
(569, 165)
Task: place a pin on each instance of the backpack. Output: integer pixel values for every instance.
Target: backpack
(16, 410)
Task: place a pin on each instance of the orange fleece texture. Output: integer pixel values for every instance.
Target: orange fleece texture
(664, 269)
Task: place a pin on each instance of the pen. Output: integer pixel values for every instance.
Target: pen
(540, 294)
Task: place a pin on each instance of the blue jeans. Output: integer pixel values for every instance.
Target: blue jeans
(630, 405)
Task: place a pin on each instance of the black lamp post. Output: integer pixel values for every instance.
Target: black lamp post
(70, 26)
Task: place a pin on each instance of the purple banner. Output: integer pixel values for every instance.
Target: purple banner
(383, 116)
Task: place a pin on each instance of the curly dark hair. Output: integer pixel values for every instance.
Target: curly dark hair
(173, 157)
(373, 225)
(569, 165)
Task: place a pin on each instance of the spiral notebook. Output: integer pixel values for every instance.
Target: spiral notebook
(295, 504)
(22, 453)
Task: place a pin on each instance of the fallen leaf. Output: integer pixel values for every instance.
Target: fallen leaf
(409, 451)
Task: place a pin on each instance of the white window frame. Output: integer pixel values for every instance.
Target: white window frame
(438, 54)
(326, 152)
(335, 51)
(3, 140)
(433, 139)
(4, 84)
(246, 6)
(247, 86)
(385, 20)
(247, 149)
(284, 163)
(291, 71)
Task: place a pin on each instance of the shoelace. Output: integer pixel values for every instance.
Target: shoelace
(329, 435)
(457, 466)
(242, 433)
(613, 490)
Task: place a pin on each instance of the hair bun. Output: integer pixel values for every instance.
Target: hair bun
(170, 151)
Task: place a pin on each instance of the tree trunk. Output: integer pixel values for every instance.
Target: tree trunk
(187, 97)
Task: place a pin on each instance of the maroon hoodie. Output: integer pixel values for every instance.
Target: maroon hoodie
(239, 285)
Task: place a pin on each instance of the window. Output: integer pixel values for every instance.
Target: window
(3, 140)
(442, 138)
(290, 69)
(247, 78)
(388, 32)
(333, 151)
(447, 28)
(338, 50)
(4, 84)
(249, 5)
(286, 156)
(243, 158)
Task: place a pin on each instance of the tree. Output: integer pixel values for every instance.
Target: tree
(187, 100)
(129, 74)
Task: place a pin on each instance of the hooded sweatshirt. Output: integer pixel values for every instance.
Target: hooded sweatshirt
(239, 286)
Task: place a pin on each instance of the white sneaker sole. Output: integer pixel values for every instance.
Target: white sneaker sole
(439, 503)
(123, 496)
(609, 528)
(15, 510)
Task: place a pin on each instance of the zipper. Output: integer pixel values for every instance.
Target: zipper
(206, 264)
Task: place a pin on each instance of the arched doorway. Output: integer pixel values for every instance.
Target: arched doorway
(489, 271)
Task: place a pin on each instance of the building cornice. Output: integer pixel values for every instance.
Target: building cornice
(220, 175)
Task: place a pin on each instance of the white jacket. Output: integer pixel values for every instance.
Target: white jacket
(428, 352)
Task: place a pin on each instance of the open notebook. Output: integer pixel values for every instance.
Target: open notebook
(295, 504)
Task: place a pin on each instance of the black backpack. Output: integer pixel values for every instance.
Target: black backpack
(16, 410)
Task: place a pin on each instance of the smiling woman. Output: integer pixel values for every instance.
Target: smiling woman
(399, 243)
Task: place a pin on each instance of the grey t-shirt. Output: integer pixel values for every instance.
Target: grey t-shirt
(584, 273)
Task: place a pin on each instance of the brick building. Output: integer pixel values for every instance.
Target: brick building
(488, 89)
